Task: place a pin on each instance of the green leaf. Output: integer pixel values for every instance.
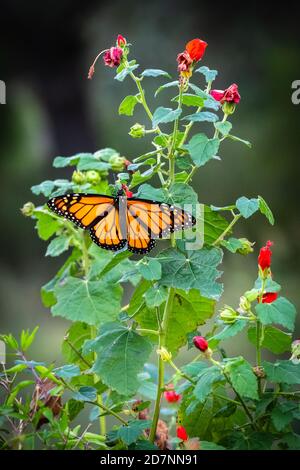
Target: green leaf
(58, 245)
(201, 117)
(270, 285)
(150, 269)
(237, 139)
(67, 371)
(126, 71)
(223, 127)
(202, 149)
(74, 408)
(193, 369)
(206, 445)
(242, 377)
(214, 225)
(92, 302)
(128, 104)
(189, 311)
(48, 188)
(230, 330)
(155, 296)
(282, 371)
(246, 206)
(62, 162)
(46, 225)
(274, 340)
(166, 85)
(92, 163)
(254, 441)
(76, 335)
(121, 355)
(189, 99)
(284, 413)
(205, 382)
(232, 244)
(265, 210)
(192, 270)
(280, 311)
(164, 115)
(209, 75)
(181, 194)
(196, 416)
(198, 91)
(155, 73)
(27, 338)
(146, 191)
(130, 433)
(85, 394)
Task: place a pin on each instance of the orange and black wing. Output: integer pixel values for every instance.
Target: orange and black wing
(96, 213)
(149, 220)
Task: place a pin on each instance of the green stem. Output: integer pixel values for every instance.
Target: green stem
(227, 230)
(146, 330)
(102, 419)
(109, 411)
(182, 374)
(173, 143)
(142, 95)
(161, 364)
(259, 332)
(85, 254)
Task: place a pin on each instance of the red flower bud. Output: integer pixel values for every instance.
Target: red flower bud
(113, 56)
(196, 49)
(126, 190)
(265, 256)
(230, 95)
(171, 396)
(200, 343)
(121, 41)
(181, 433)
(269, 297)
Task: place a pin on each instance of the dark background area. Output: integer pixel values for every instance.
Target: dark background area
(52, 109)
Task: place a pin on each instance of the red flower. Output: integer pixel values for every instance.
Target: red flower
(269, 297)
(181, 433)
(230, 95)
(196, 49)
(171, 396)
(113, 56)
(126, 190)
(200, 343)
(121, 41)
(265, 256)
(184, 61)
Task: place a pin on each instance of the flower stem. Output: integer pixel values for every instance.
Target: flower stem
(259, 333)
(102, 419)
(227, 230)
(161, 364)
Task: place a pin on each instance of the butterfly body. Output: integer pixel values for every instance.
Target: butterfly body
(118, 222)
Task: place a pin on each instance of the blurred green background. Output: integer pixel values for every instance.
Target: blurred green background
(52, 109)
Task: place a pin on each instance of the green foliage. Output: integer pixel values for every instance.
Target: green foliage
(119, 349)
(123, 307)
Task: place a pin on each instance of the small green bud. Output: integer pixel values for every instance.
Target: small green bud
(93, 177)
(28, 209)
(251, 295)
(228, 108)
(246, 248)
(228, 315)
(245, 305)
(137, 131)
(123, 177)
(78, 177)
(117, 163)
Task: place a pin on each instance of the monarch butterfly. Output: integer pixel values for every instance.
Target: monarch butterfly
(118, 222)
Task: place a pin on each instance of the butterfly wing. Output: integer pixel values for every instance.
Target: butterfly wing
(94, 212)
(148, 220)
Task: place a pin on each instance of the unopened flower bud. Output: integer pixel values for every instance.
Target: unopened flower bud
(296, 351)
(28, 209)
(259, 372)
(181, 433)
(93, 177)
(117, 163)
(251, 295)
(245, 305)
(200, 343)
(228, 315)
(246, 248)
(78, 177)
(165, 355)
(137, 131)
(121, 41)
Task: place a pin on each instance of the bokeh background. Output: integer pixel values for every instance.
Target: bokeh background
(52, 109)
